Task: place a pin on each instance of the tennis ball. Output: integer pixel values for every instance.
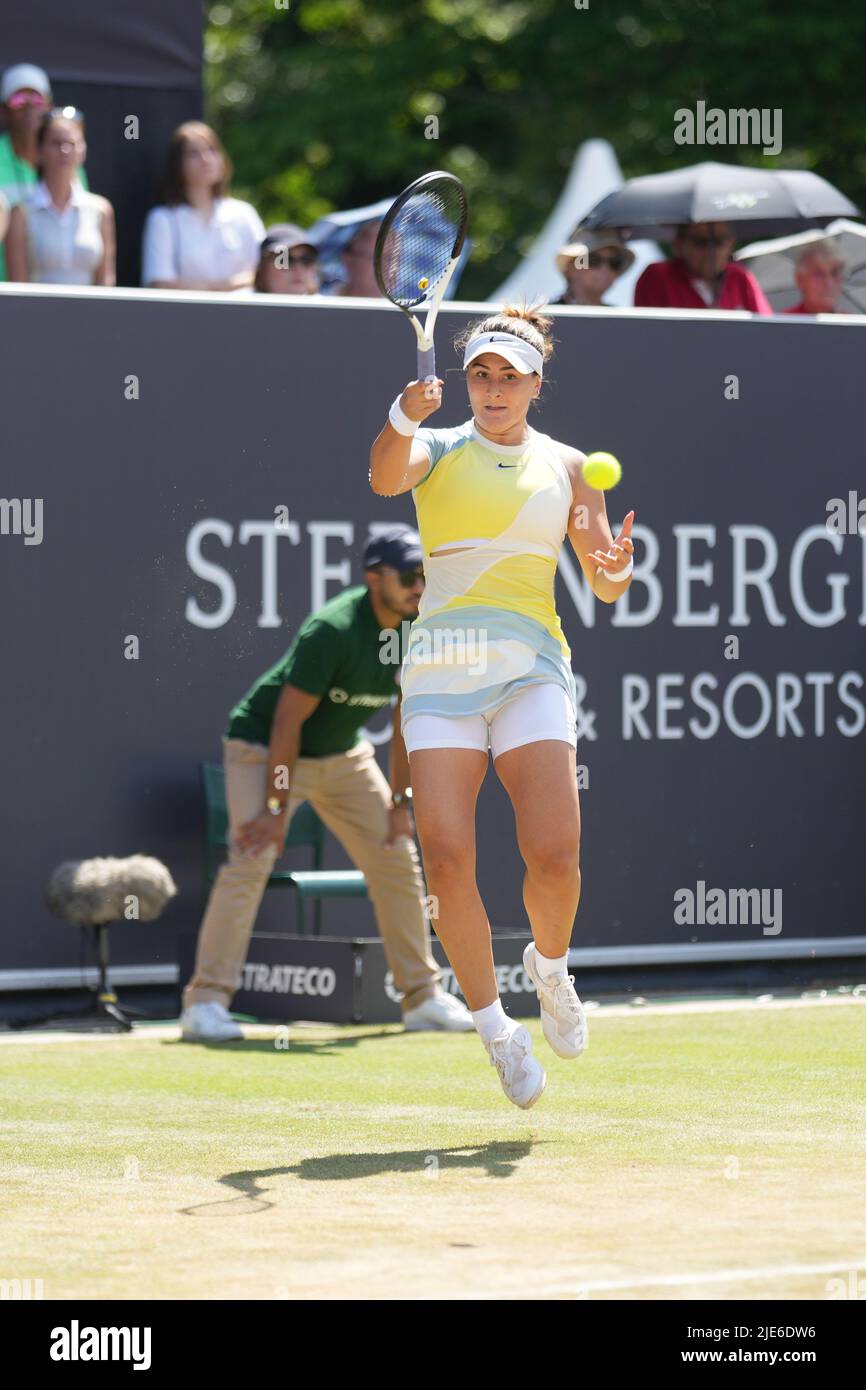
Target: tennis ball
(602, 471)
(422, 284)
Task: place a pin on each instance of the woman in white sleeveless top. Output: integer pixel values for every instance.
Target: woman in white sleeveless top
(200, 238)
(61, 234)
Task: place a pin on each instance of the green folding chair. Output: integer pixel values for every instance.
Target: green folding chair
(305, 828)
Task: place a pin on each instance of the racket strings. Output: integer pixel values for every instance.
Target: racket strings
(418, 246)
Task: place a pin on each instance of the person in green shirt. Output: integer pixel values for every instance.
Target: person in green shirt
(297, 736)
(25, 95)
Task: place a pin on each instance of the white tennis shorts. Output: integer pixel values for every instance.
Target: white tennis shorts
(535, 712)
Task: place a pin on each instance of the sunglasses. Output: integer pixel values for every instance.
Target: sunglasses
(64, 113)
(408, 578)
(613, 262)
(700, 240)
(19, 100)
(288, 260)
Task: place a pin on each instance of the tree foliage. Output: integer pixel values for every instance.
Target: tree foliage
(326, 104)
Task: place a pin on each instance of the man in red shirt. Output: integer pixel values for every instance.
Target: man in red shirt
(820, 276)
(701, 274)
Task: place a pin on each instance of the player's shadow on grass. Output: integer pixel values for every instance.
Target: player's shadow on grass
(300, 1046)
(498, 1160)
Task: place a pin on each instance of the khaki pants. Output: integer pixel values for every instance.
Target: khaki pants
(351, 795)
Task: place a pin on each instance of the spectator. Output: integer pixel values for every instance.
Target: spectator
(820, 275)
(357, 258)
(60, 234)
(701, 274)
(590, 264)
(288, 262)
(25, 96)
(200, 239)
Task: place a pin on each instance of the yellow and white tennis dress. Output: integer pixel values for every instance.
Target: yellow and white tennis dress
(487, 625)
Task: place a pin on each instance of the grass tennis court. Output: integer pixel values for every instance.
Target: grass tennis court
(711, 1153)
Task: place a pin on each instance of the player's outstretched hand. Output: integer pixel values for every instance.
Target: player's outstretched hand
(421, 398)
(617, 556)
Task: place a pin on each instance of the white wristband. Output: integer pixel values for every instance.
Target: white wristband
(400, 420)
(623, 574)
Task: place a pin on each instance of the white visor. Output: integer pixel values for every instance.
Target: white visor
(522, 356)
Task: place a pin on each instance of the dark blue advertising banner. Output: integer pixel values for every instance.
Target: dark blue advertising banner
(185, 480)
(286, 977)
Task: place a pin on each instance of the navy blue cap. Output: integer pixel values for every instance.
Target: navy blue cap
(398, 546)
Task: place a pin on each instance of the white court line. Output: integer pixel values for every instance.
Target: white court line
(669, 1281)
(161, 1032)
(253, 1031)
(720, 1006)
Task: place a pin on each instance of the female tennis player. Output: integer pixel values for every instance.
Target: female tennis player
(488, 665)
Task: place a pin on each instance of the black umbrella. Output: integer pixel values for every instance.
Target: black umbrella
(763, 202)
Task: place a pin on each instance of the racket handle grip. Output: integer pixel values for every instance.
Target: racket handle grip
(427, 364)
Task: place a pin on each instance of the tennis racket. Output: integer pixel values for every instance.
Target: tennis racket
(418, 246)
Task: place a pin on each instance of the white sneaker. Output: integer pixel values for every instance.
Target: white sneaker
(523, 1077)
(208, 1023)
(563, 1019)
(441, 1013)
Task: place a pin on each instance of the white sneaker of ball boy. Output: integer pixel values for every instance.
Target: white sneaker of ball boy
(440, 1013)
(210, 1022)
(509, 1045)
